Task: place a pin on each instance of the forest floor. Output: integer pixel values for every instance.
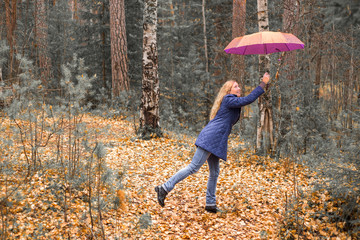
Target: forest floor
(253, 192)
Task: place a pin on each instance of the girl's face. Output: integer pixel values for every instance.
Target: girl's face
(235, 89)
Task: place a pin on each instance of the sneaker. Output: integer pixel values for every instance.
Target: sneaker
(212, 209)
(161, 195)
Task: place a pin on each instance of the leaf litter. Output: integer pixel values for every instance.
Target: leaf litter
(253, 193)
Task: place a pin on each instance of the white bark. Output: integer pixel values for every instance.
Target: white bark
(149, 114)
(264, 129)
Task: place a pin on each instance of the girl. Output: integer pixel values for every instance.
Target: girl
(212, 141)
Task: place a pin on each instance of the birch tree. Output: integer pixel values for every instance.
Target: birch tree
(119, 66)
(149, 113)
(264, 138)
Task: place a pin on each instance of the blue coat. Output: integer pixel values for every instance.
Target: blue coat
(214, 137)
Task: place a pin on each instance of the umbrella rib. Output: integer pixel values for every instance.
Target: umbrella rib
(265, 52)
(287, 47)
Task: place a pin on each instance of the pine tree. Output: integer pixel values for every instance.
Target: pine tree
(119, 60)
(11, 20)
(94, 46)
(134, 19)
(238, 61)
(238, 30)
(285, 86)
(41, 38)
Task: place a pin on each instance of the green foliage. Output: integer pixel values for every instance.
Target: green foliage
(63, 39)
(134, 33)
(341, 13)
(94, 43)
(315, 131)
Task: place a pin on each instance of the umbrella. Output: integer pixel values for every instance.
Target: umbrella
(264, 43)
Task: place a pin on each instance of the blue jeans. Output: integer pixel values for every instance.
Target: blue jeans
(198, 160)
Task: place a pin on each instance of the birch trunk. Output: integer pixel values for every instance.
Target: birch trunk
(118, 47)
(149, 113)
(264, 138)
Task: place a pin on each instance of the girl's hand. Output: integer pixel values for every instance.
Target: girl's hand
(266, 78)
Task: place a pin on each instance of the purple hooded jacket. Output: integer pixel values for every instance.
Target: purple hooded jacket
(214, 137)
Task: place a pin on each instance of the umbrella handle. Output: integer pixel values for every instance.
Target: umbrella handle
(279, 65)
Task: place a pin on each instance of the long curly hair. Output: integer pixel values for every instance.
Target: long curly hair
(224, 90)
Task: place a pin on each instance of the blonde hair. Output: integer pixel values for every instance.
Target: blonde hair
(224, 90)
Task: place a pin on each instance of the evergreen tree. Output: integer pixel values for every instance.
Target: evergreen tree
(134, 33)
(119, 63)
(11, 24)
(41, 40)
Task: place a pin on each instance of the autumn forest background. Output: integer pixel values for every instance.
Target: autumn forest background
(100, 101)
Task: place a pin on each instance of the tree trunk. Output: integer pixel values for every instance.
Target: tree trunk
(283, 118)
(74, 9)
(264, 138)
(207, 83)
(237, 61)
(205, 40)
(10, 19)
(2, 18)
(350, 84)
(149, 113)
(118, 47)
(318, 76)
(318, 62)
(104, 55)
(41, 39)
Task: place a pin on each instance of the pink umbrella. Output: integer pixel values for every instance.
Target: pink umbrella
(264, 43)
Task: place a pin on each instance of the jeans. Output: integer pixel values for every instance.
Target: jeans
(198, 160)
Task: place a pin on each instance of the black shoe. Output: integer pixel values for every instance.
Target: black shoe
(161, 195)
(212, 209)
